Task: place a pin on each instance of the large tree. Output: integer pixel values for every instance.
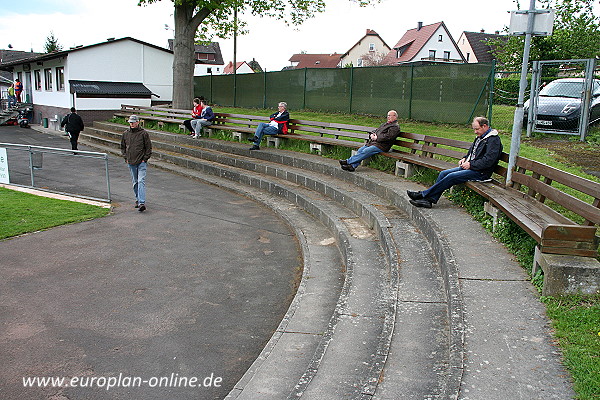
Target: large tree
(198, 19)
(576, 35)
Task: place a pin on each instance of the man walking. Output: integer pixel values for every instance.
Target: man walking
(477, 165)
(73, 126)
(136, 148)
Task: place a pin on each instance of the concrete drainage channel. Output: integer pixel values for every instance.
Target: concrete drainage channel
(398, 312)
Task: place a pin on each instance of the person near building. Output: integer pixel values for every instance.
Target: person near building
(12, 100)
(136, 148)
(196, 113)
(18, 90)
(73, 126)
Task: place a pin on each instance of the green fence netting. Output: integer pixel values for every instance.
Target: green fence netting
(450, 93)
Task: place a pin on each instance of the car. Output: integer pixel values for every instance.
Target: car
(559, 104)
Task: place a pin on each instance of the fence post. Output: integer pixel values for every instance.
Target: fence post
(265, 89)
(351, 85)
(492, 80)
(412, 78)
(304, 89)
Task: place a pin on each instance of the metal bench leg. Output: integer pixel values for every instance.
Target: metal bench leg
(316, 148)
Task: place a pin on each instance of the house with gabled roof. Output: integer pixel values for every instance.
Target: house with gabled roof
(302, 60)
(429, 43)
(6, 77)
(242, 67)
(96, 79)
(475, 48)
(368, 51)
(208, 58)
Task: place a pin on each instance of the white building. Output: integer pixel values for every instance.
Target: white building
(96, 79)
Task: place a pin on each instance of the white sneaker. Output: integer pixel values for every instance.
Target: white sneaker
(195, 136)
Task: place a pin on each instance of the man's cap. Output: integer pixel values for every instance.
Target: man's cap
(134, 118)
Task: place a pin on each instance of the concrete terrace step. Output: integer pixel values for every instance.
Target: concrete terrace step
(490, 336)
(358, 318)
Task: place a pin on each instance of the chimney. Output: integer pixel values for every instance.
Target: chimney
(419, 25)
(482, 31)
(497, 32)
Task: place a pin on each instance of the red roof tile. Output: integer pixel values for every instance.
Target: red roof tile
(316, 60)
(413, 40)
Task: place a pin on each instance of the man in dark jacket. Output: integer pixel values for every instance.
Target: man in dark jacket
(136, 148)
(477, 165)
(380, 140)
(277, 126)
(73, 126)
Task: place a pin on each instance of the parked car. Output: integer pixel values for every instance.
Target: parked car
(559, 104)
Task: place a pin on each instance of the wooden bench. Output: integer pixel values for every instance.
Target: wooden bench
(554, 232)
(160, 114)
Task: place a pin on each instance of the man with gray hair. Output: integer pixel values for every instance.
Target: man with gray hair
(277, 126)
(136, 148)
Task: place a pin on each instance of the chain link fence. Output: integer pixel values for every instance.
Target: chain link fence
(448, 93)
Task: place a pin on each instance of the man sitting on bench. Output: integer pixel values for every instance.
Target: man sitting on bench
(477, 165)
(380, 140)
(277, 126)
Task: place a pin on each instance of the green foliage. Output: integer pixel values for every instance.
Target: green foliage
(576, 321)
(52, 44)
(576, 35)
(23, 212)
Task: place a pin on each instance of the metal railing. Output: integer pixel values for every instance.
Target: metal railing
(36, 156)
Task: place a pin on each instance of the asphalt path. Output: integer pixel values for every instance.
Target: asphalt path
(172, 303)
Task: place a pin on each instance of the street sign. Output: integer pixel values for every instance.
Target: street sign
(542, 23)
(4, 178)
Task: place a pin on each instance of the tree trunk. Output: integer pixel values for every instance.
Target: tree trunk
(184, 56)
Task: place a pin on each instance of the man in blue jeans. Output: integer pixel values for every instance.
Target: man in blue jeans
(477, 165)
(380, 140)
(136, 148)
(278, 125)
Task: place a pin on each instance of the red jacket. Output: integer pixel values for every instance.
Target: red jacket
(197, 111)
(18, 87)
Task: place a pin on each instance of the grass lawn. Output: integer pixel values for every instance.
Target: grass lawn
(23, 212)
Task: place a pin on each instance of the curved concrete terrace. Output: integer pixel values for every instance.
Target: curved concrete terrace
(497, 340)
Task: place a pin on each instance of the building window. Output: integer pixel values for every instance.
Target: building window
(440, 38)
(468, 54)
(60, 79)
(446, 55)
(432, 54)
(48, 79)
(209, 70)
(371, 46)
(37, 76)
(359, 62)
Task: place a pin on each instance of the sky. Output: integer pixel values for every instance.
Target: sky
(26, 24)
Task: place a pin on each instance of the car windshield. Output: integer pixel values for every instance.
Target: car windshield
(563, 89)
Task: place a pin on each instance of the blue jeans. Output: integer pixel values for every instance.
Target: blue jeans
(138, 178)
(265, 129)
(198, 124)
(12, 100)
(448, 178)
(363, 153)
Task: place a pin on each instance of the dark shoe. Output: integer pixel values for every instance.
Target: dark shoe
(421, 203)
(348, 168)
(255, 147)
(414, 195)
(142, 208)
(136, 205)
(253, 139)
(343, 162)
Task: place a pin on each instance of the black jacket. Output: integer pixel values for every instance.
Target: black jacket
(487, 154)
(73, 123)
